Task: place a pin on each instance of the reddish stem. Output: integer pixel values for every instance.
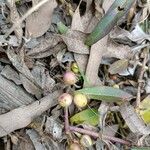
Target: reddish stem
(97, 135)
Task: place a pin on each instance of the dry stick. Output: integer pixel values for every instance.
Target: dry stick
(97, 135)
(22, 116)
(29, 12)
(138, 98)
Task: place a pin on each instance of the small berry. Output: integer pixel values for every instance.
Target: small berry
(116, 86)
(65, 100)
(80, 100)
(70, 78)
(75, 146)
(86, 141)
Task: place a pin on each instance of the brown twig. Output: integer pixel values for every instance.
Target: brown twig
(140, 82)
(97, 135)
(22, 116)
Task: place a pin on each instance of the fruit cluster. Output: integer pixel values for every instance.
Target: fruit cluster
(80, 100)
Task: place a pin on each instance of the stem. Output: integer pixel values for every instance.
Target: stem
(97, 135)
(140, 83)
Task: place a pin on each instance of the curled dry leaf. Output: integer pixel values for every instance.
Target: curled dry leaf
(39, 22)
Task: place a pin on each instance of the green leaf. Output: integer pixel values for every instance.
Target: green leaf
(62, 28)
(88, 116)
(105, 93)
(140, 148)
(109, 20)
(144, 109)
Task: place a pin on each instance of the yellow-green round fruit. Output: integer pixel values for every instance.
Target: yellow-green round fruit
(65, 100)
(80, 100)
(75, 146)
(70, 78)
(86, 141)
(75, 68)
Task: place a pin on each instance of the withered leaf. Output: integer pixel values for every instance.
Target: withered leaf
(46, 47)
(133, 120)
(119, 51)
(11, 74)
(12, 96)
(18, 62)
(94, 61)
(75, 42)
(30, 86)
(85, 23)
(39, 22)
(118, 66)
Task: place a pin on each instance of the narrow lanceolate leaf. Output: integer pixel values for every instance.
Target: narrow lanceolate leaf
(105, 93)
(117, 10)
(88, 116)
(140, 148)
